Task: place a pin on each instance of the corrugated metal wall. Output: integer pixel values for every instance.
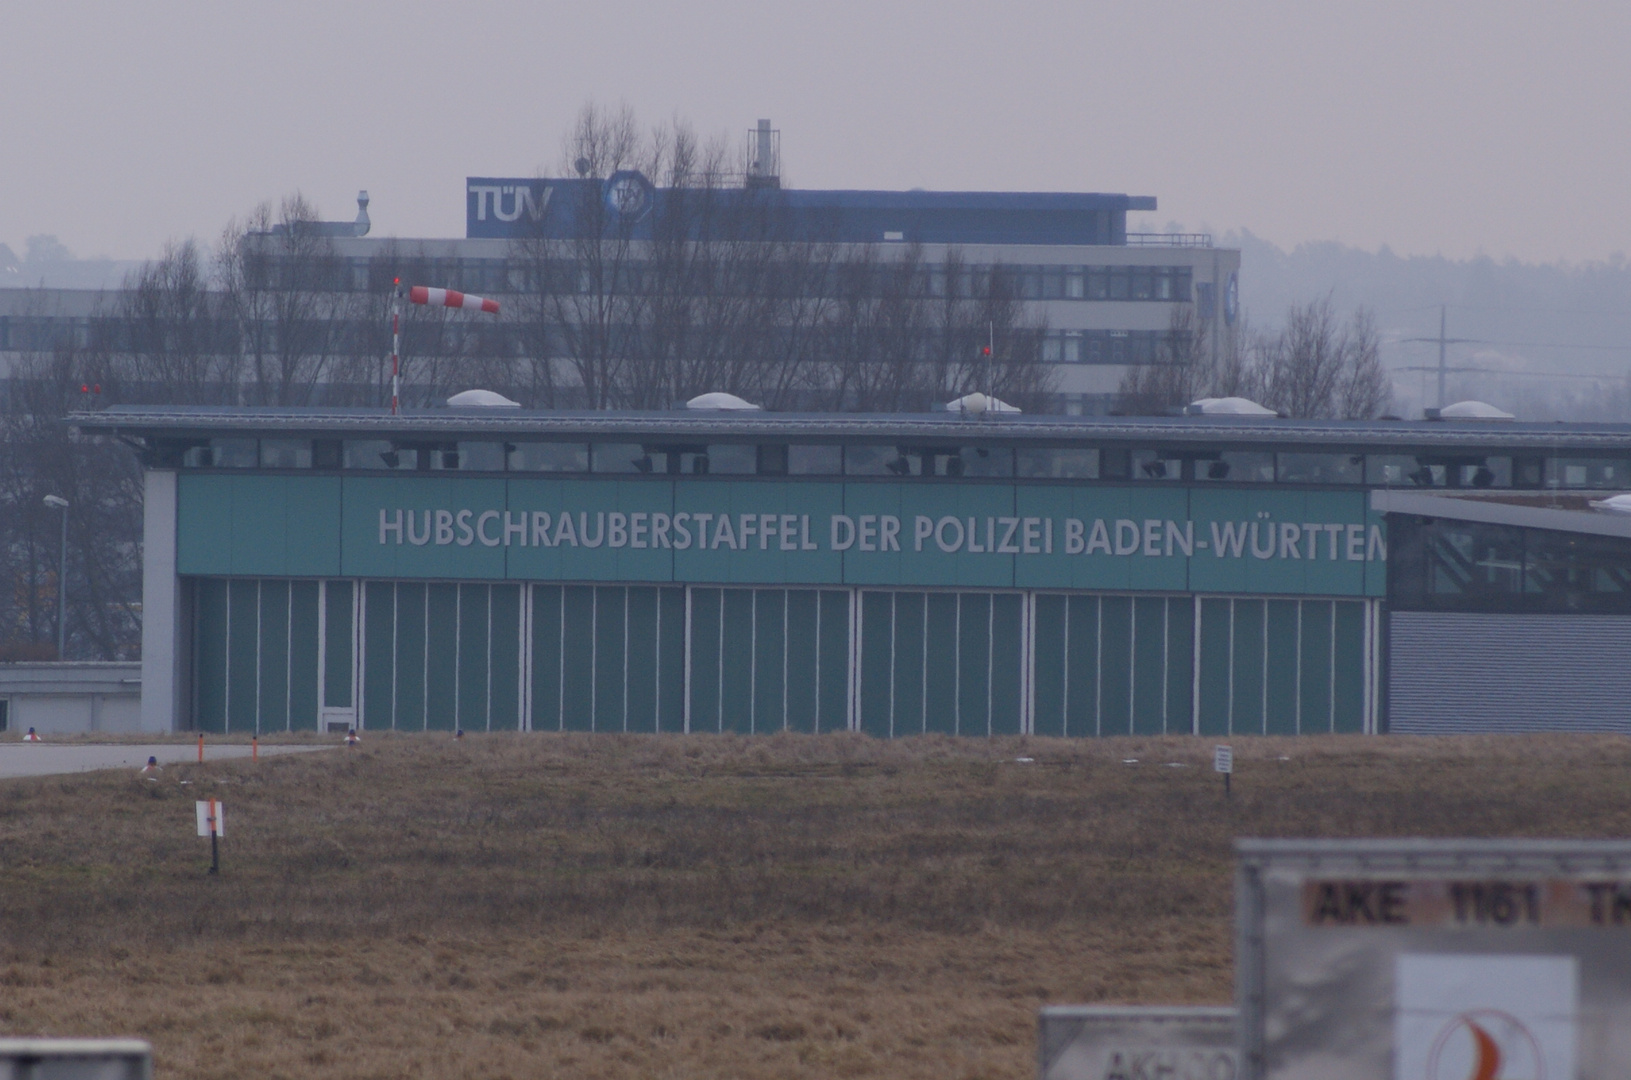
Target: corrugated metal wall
(1463, 673)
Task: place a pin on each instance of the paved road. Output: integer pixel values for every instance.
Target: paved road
(46, 759)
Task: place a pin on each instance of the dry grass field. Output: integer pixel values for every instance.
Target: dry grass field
(598, 906)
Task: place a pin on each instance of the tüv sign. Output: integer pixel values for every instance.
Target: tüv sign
(512, 208)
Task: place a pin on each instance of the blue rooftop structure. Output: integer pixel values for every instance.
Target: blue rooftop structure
(513, 208)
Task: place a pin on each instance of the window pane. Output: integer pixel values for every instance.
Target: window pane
(979, 461)
(1058, 463)
(469, 457)
(874, 461)
(618, 458)
(1153, 465)
(1322, 468)
(815, 460)
(1393, 470)
(234, 453)
(285, 453)
(730, 459)
(1239, 466)
(1602, 473)
(1073, 286)
(549, 457)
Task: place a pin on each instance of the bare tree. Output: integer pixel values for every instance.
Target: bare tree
(285, 291)
(101, 480)
(1182, 371)
(172, 344)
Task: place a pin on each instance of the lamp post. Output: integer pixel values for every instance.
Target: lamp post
(57, 502)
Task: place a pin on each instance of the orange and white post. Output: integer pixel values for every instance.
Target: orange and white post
(212, 823)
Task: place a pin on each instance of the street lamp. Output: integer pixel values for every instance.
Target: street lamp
(57, 502)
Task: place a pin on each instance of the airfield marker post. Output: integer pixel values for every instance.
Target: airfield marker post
(1223, 761)
(212, 823)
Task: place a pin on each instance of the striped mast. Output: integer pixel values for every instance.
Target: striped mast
(396, 342)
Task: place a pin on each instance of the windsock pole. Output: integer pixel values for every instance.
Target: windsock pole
(396, 344)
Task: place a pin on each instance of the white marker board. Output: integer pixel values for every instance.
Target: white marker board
(206, 809)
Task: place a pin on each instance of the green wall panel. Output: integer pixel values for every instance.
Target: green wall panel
(303, 655)
(258, 525)
(546, 658)
(1314, 689)
(1246, 713)
(210, 655)
(243, 659)
(578, 659)
(641, 678)
(442, 645)
(378, 653)
(1081, 701)
(737, 660)
(475, 640)
(273, 712)
(707, 609)
(1280, 692)
(671, 659)
(337, 644)
(974, 664)
(1349, 673)
(1115, 665)
(412, 660)
(1149, 665)
(1048, 714)
(940, 707)
(1007, 659)
(769, 665)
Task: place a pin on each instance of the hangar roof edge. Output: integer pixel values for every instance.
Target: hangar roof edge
(442, 423)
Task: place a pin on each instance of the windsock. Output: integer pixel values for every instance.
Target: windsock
(420, 294)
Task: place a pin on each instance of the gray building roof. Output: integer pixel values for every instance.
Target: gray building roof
(180, 422)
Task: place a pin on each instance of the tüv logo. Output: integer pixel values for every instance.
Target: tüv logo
(509, 201)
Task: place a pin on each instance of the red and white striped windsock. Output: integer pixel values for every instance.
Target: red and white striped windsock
(420, 294)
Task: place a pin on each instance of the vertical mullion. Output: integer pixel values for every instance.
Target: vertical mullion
(1064, 694)
(1299, 681)
(657, 673)
(1166, 664)
(753, 661)
(685, 712)
(424, 669)
(894, 611)
(923, 671)
(288, 662)
(719, 670)
(957, 673)
(1098, 667)
(990, 658)
(625, 658)
(260, 645)
(396, 638)
(1331, 694)
(458, 650)
(594, 655)
(1231, 724)
(785, 598)
(817, 725)
(1265, 684)
(489, 709)
(1132, 664)
(1195, 674)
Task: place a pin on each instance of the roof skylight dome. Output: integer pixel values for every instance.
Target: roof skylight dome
(1227, 406)
(481, 399)
(1473, 410)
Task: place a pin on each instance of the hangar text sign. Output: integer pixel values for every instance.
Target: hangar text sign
(994, 535)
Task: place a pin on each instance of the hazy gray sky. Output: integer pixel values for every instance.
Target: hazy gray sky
(1452, 128)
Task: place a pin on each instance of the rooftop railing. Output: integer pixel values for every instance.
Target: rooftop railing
(1176, 239)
